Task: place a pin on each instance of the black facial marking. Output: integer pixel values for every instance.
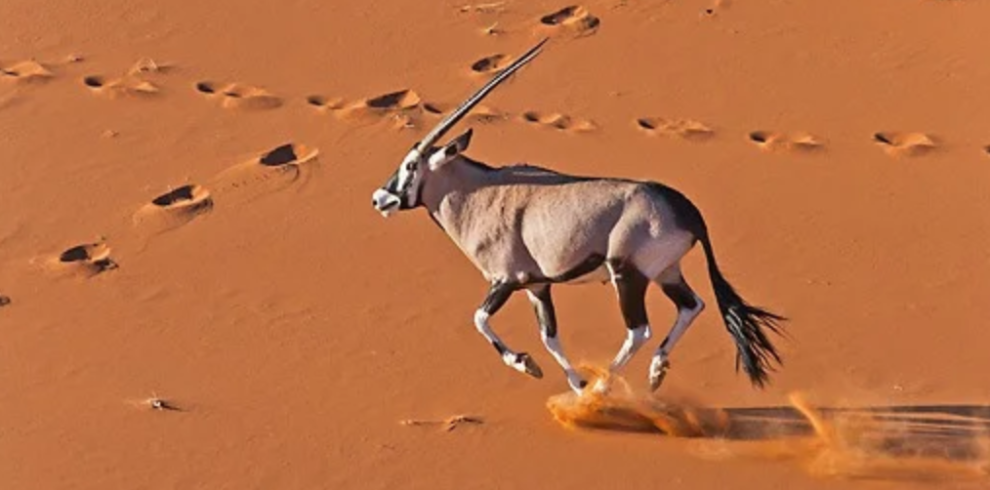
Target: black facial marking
(392, 184)
(631, 286)
(545, 314)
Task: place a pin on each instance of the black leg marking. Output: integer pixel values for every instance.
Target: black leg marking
(677, 289)
(584, 268)
(631, 286)
(680, 294)
(545, 312)
(498, 294)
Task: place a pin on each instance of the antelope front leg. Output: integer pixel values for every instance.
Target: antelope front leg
(498, 294)
(542, 302)
(630, 285)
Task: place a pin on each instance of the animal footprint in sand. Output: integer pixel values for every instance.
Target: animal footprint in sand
(681, 128)
(562, 122)
(403, 107)
(490, 64)
(174, 208)
(239, 96)
(324, 104)
(25, 72)
(479, 114)
(908, 144)
(796, 141)
(119, 87)
(574, 18)
(85, 260)
(132, 83)
(269, 172)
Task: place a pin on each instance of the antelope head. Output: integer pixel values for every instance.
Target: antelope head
(402, 190)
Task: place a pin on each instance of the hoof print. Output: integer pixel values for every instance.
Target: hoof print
(906, 144)
(128, 86)
(26, 72)
(324, 104)
(560, 122)
(687, 129)
(174, 208)
(86, 260)
(238, 96)
(490, 64)
(273, 170)
(399, 100)
(797, 141)
(574, 18)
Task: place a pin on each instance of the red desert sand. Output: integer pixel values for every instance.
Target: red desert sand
(196, 293)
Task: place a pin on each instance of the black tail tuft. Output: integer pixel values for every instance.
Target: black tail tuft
(746, 323)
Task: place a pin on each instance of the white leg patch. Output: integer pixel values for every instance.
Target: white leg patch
(481, 323)
(553, 346)
(660, 363)
(634, 340)
(573, 379)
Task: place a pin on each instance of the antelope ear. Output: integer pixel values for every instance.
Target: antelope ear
(451, 150)
(461, 142)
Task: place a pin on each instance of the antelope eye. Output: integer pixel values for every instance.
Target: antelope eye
(410, 166)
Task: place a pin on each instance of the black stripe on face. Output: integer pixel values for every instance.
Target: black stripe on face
(392, 184)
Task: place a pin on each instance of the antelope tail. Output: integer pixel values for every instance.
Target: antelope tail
(746, 323)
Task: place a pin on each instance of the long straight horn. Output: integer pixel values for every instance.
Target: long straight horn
(451, 119)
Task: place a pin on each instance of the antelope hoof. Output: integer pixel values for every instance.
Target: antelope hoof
(525, 363)
(601, 387)
(577, 384)
(658, 371)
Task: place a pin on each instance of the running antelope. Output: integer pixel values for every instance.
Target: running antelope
(528, 228)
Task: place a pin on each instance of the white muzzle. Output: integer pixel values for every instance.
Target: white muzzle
(385, 202)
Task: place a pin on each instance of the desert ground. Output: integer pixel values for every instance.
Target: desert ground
(198, 294)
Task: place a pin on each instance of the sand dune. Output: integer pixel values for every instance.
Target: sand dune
(196, 293)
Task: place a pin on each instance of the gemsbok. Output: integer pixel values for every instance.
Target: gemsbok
(528, 228)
